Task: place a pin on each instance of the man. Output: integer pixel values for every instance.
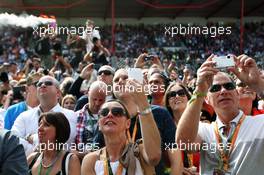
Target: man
(31, 101)
(105, 74)
(12, 156)
(235, 141)
(87, 117)
(26, 124)
(158, 83)
(90, 33)
(77, 47)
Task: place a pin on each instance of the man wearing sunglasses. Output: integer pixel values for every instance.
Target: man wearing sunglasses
(30, 102)
(235, 141)
(26, 124)
(105, 74)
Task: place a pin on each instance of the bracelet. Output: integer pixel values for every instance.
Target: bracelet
(146, 111)
(196, 95)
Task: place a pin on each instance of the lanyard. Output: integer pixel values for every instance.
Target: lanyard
(107, 166)
(134, 132)
(51, 165)
(40, 168)
(224, 155)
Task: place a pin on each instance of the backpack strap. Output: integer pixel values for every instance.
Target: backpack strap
(34, 160)
(65, 163)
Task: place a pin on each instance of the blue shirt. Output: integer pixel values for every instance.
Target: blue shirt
(12, 112)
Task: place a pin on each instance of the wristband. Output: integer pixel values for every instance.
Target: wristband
(196, 95)
(146, 111)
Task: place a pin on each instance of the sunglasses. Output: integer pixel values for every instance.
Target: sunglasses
(116, 111)
(241, 84)
(46, 83)
(180, 93)
(105, 72)
(218, 87)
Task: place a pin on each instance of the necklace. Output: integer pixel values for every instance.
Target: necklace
(48, 167)
(52, 163)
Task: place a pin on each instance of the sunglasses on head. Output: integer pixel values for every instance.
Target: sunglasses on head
(106, 72)
(116, 111)
(241, 84)
(46, 83)
(180, 93)
(218, 87)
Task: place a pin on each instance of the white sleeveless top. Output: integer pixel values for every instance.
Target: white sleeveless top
(99, 167)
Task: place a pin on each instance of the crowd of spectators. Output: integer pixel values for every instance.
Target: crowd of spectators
(56, 84)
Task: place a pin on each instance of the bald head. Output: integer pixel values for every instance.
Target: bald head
(98, 86)
(97, 94)
(50, 78)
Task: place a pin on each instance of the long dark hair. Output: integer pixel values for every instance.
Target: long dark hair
(166, 98)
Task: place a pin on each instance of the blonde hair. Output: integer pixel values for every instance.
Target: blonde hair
(68, 96)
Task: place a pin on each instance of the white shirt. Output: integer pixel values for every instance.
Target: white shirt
(27, 123)
(2, 111)
(88, 37)
(99, 167)
(248, 149)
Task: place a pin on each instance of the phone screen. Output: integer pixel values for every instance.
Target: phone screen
(135, 73)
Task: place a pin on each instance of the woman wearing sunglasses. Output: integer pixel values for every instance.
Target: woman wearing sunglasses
(176, 99)
(120, 156)
(248, 100)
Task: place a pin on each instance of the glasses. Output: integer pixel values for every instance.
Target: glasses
(116, 111)
(180, 93)
(217, 87)
(241, 84)
(105, 72)
(46, 83)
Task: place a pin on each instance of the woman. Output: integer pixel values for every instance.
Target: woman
(119, 156)
(53, 132)
(68, 102)
(176, 99)
(248, 101)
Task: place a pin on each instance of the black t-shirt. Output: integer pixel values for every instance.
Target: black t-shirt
(98, 56)
(43, 46)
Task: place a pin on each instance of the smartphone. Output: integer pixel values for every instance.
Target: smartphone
(135, 73)
(224, 61)
(19, 89)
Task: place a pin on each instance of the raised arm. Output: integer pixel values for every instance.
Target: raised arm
(247, 71)
(187, 131)
(149, 129)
